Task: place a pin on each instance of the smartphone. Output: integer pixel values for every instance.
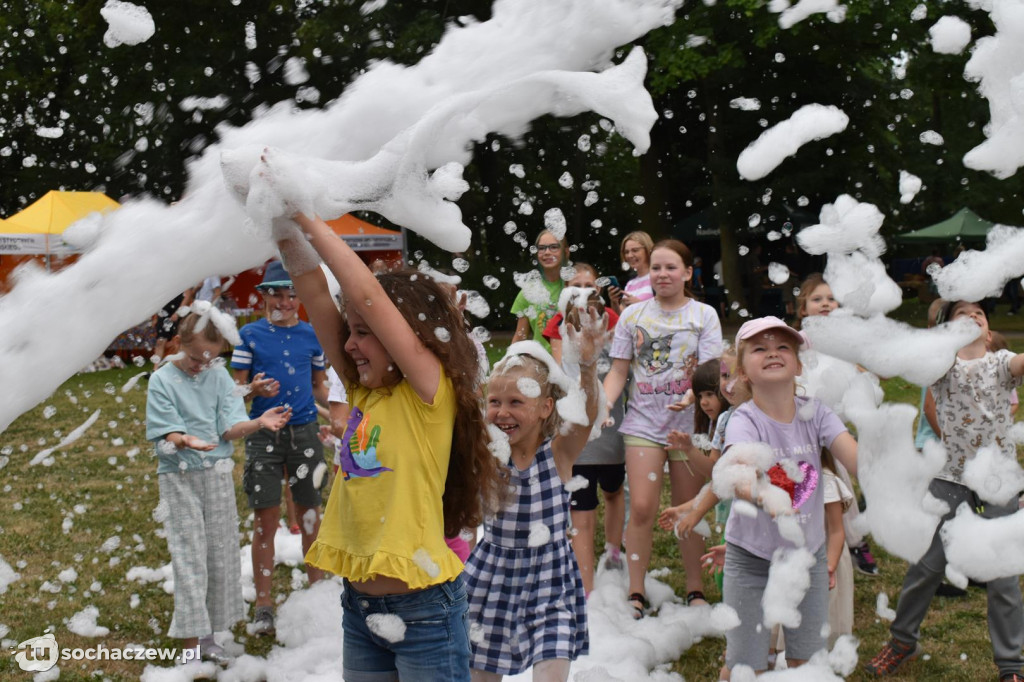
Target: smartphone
(613, 281)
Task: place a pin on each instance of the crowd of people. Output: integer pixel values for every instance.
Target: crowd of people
(591, 394)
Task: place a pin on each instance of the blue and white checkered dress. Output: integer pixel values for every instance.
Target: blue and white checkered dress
(526, 604)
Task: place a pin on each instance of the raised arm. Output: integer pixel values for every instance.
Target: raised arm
(588, 342)
(363, 293)
(1016, 364)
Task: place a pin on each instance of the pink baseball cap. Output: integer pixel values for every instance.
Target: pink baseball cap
(754, 327)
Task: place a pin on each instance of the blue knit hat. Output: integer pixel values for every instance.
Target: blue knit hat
(275, 277)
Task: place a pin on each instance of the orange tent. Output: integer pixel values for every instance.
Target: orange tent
(371, 242)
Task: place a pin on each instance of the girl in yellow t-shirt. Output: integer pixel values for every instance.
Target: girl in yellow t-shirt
(414, 462)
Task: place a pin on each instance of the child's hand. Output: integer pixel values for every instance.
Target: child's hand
(275, 419)
(686, 523)
(591, 337)
(714, 560)
(196, 443)
(677, 440)
(684, 402)
(264, 386)
(668, 518)
(326, 436)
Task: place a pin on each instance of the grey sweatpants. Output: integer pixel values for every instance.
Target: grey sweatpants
(1005, 610)
(202, 536)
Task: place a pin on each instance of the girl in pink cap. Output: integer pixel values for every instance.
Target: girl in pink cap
(782, 480)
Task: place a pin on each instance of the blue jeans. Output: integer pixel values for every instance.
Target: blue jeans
(436, 641)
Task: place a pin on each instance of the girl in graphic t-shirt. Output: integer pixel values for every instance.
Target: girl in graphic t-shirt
(662, 340)
(415, 465)
(795, 429)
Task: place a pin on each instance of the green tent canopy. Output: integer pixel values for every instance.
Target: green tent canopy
(964, 225)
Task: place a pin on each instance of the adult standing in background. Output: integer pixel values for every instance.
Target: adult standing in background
(635, 252)
(537, 301)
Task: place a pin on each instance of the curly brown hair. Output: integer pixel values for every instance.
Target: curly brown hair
(476, 484)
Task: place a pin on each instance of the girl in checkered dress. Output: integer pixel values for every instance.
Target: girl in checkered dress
(526, 599)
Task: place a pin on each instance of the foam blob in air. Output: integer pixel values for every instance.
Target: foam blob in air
(128, 24)
(810, 122)
(949, 35)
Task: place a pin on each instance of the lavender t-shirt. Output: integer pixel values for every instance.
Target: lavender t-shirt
(801, 440)
(665, 346)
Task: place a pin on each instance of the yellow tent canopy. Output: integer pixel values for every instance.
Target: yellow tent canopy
(37, 228)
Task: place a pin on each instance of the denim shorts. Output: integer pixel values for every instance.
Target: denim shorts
(436, 642)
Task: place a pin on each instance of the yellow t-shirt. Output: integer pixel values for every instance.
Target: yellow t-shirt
(384, 516)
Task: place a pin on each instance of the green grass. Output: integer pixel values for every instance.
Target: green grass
(105, 482)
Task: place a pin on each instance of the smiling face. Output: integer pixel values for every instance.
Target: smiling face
(820, 301)
(518, 415)
(199, 354)
(972, 312)
(635, 255)
(549, 253)
(281, 306)
(372, 362)
(669, 274)
(770, 358)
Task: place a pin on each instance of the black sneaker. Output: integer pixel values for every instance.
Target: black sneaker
(863, 560)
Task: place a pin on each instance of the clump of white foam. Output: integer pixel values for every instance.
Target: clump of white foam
(426, 562)
(790, 14)
(387, 626)
(861, 284)
(997, 64)
(845, 226)
(895, 479)
(84, 624)
(498, 444)
(882, 609)
(540, 534)
(910, 185)
(810, 122)
(43, 456)
(128, 24)
(7, 575)
(890, 348)
(576, 483)
(949, 35)
(984, 549)
(789, 579)
(975, 275)
(994, 476)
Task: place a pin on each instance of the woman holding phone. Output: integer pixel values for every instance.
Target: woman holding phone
(635, 252)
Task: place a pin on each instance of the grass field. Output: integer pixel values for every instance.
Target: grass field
(103, 486)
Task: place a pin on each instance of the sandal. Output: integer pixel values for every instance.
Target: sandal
(694, 596)
(640, 605)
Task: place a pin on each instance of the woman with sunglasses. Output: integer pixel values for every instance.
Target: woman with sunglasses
(537, 301)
